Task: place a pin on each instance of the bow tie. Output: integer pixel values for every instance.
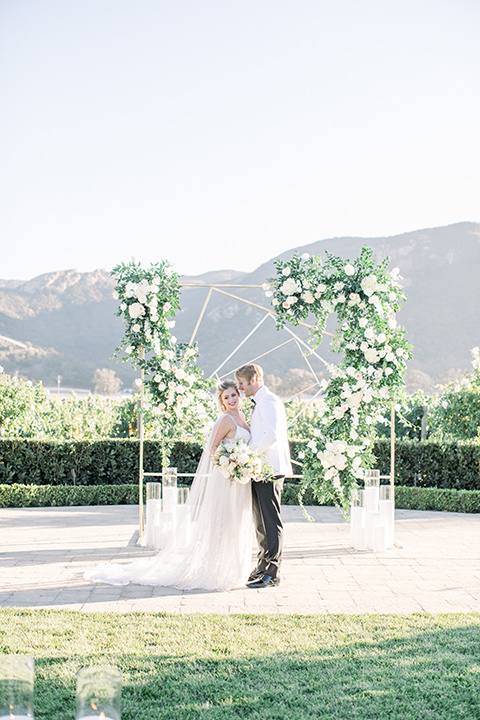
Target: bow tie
(253, 403)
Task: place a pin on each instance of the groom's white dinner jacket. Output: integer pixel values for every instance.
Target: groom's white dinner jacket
(268, 425)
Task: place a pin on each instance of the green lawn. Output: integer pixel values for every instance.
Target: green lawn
(373, 667)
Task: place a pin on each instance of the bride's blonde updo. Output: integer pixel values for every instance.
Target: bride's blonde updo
(225, 385)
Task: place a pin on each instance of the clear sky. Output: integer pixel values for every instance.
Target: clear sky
(219, 133)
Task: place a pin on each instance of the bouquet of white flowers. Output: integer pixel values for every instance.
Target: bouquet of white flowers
(240, 463)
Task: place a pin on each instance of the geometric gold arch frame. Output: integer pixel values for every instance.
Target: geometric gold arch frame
(304, 349)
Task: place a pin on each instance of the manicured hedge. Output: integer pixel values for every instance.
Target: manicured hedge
(102, 462)
(430, 464)
(67, 495)
(419, 498)
(413, 498)
(115, 462)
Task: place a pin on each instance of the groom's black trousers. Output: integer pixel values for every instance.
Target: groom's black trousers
(266, 497)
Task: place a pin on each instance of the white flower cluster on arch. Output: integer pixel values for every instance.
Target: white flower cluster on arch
(365, 297)
(177, 394)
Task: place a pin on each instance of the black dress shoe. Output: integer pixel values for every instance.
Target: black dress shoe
(264, 581)
(255, 575)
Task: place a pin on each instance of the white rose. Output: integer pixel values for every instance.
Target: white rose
(355, 399)
(308, 297)
(286, 271)
(165, 365)
(290, 286)
(305, 256)
(371, 355)
(363, 322)
(369, 334)
(136, 310)
(349, 269)
(369, 284)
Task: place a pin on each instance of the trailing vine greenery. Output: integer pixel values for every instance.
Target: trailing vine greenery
(365, 297)
(177, 395)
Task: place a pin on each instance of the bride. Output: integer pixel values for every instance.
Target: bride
(211, 547)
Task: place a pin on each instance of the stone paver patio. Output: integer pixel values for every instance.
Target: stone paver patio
(434, 567)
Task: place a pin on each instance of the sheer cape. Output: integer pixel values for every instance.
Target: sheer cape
(211, 546)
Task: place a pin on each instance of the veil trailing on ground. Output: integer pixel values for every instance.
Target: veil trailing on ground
(211, 546)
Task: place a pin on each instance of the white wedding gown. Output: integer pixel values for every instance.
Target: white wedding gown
(211, 547)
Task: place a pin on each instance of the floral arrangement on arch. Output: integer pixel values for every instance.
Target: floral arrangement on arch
(178, 396)
(149, 298)
(365, 297)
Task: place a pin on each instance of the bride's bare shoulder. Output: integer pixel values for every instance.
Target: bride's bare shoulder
(226, 422)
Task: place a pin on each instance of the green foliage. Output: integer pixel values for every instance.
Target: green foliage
(438, 499)
(64, 496)
(409, 416)
(148, 298)
(365, 297)
(412, 498)
(455, 411)
(96, 462)
(431, 464)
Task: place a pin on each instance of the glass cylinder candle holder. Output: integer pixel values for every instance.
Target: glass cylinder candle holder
(182, 530)
(169, 489)
(387, 513)
(372, 478)
(182, 495)
(357, 519)
(16, 687)
(99, 693)
(153, 510)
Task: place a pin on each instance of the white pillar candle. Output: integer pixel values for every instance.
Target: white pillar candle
(357, 522)
(379, 538)
(371, 499)
(360, 538)
(163, 531)
(153, 513)
(387, 517)
(371, 521)
(169, 499)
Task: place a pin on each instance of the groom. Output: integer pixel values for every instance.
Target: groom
(268, 425)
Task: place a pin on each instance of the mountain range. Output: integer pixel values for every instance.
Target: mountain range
(63, 323)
